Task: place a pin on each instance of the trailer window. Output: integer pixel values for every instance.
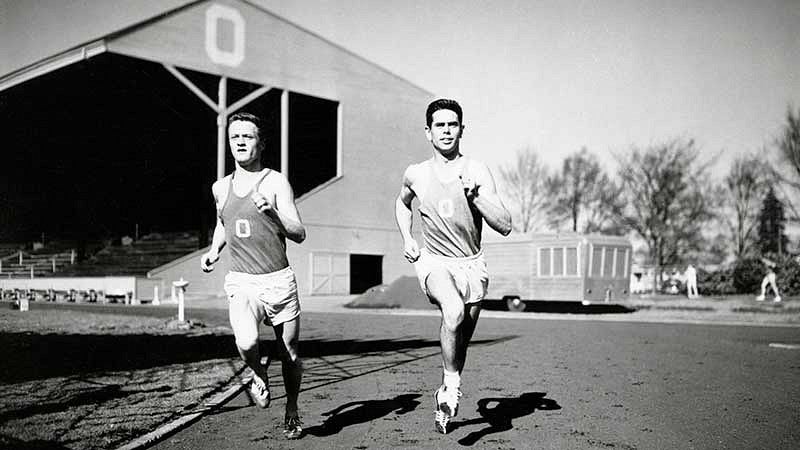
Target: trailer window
(622, 263)
(608, 262)
(572, 261)
(558, 261)
(597, 261)
(544, 262)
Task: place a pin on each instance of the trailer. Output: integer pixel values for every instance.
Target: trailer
(571, 267)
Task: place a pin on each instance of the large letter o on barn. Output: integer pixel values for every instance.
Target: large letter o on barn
(229, 57)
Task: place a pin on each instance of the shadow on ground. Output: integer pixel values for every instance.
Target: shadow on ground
(562, 307)
(9, 442)
(29, 356)
(99, 394)
(363, 411)
(498, 414)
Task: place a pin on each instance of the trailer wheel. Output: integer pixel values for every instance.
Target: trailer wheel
(514, 304)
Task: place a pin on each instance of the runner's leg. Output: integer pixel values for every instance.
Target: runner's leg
(287, 337)
(773, 284)
(442, 289)
(473, 311)
(244, 321)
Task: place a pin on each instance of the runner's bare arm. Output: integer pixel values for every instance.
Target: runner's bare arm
(218, 240)
(481, 191)
(284, 208)
(404, 216)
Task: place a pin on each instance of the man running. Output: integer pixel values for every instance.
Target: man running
(456, 195)
(255, 213)
(769, 279)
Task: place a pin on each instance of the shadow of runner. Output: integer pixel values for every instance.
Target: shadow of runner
(10, 442)
(363, 358)
(504, 410)
(363, 411)
(93, 396)
(30, 356)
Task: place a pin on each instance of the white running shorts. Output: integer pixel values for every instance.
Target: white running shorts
(469, 273)
(272, 297)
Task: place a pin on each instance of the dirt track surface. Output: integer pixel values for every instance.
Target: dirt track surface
(528, 384)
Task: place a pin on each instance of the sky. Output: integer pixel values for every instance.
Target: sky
(556, 76)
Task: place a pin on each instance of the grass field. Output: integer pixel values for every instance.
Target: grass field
(732, 308)
(83, 380)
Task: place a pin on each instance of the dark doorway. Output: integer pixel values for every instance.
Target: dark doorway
(365, 272)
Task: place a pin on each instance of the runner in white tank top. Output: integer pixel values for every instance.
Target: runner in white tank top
(456, 195)
(255, 213)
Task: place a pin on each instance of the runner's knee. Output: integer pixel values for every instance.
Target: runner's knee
(246, 340)
(288, 351)
(288, 354)
(452, 314)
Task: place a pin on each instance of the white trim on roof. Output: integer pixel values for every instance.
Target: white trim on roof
(53, 63)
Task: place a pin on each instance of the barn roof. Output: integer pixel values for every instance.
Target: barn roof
(42, 36)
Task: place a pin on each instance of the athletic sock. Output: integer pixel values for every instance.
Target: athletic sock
(452, 380)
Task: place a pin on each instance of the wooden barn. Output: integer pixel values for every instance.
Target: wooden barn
(342, 128)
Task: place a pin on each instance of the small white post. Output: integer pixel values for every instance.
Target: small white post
(181, 286)
(20, 257)
(156, 300)
(54, 265)
(31, 271)
(181, 316)
(72, 256)
(24, 305)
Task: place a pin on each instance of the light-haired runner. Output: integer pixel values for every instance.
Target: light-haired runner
(457, 194)
(256, 212)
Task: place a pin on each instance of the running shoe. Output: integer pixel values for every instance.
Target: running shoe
(292, 428)
(259, 391)
(777, 299)
(760, 298)
(446, 401)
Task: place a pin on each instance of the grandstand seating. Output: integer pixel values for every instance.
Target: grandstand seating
(141, 256)
(137, 259)
(8, 249)
(20, 263)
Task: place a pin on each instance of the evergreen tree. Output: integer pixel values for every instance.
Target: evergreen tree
(772, 226)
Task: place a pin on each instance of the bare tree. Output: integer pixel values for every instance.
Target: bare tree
(666, 200)
(788, 169)
(743, 188)
(523, 186)
(581, 195)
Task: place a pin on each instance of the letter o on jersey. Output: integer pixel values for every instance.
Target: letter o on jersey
(242, 228)
(445, 208)
(215, 15)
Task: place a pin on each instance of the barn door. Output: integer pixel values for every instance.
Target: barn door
(330, 273)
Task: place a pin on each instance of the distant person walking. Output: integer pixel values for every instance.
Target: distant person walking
(769, 279)
(691, 282)
(456, 195)
(255, 213)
